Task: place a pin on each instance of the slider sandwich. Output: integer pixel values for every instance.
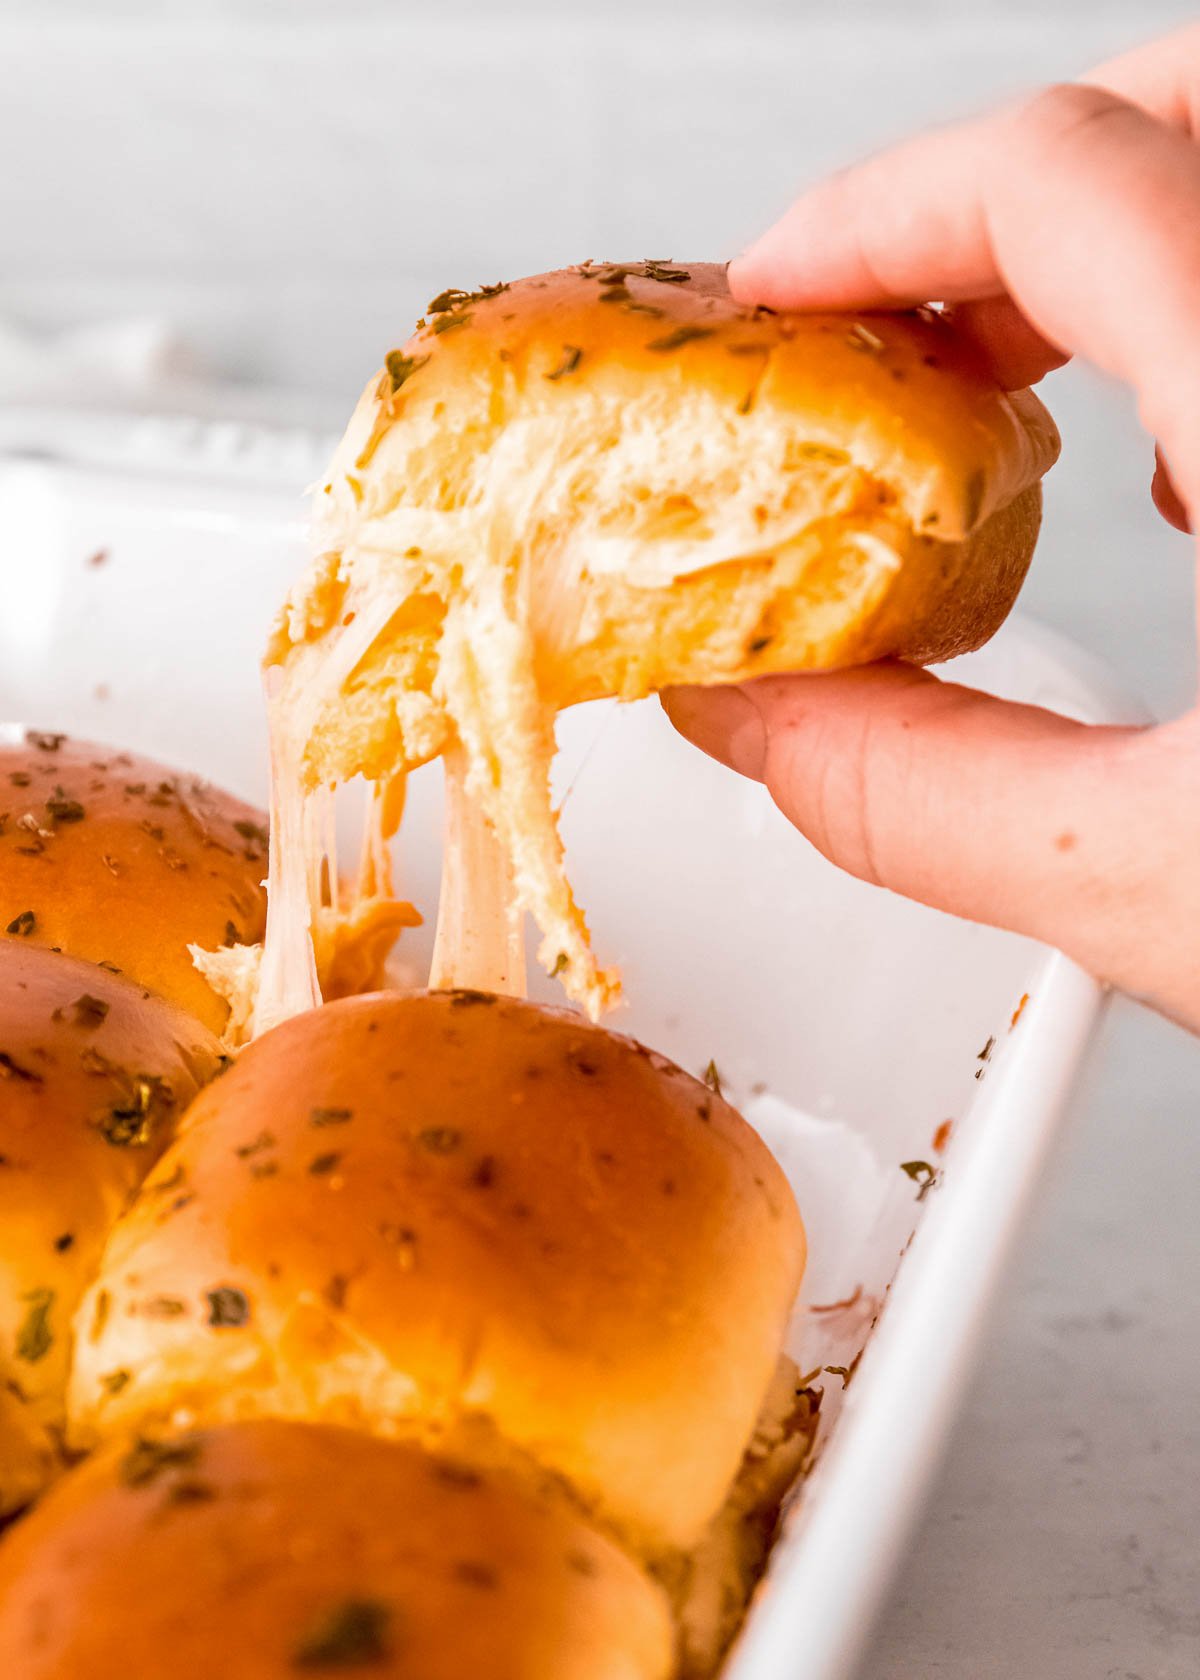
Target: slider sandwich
(598, 482)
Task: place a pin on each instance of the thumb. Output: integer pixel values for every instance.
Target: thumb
(997, 812)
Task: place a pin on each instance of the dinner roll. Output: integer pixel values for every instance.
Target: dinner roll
(94, 1072)
(124, 861)
(468, 1219)
(632, 426)
(270, 1551)
(612, 478)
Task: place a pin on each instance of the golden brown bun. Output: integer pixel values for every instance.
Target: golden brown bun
(613, 478)
(267, 1551)
(863, 486)
(125, 861)
(468, 1218)
(93, 1073)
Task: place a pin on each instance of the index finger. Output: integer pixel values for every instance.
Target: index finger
(1079, 206)
(1163, 77)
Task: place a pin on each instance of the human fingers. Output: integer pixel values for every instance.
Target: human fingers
(1014, 350)
(1079, 206)
(1000, 813)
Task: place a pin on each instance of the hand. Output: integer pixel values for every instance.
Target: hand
(1067, 226)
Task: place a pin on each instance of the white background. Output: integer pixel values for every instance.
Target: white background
(286, 183)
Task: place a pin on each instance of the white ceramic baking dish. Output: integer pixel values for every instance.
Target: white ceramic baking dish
(135, 600)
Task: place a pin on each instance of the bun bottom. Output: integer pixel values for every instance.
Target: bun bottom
(878, 592)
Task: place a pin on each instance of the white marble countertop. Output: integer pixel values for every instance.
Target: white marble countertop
(1060, 1538)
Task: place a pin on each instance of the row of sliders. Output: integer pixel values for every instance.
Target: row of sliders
(437, 1333)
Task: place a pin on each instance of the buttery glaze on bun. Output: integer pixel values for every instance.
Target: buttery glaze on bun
(611, 478)
(93, 1074)
(269, 1551)
(470, 1220)
(124, 861)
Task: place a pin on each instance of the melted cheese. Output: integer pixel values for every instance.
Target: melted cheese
(480, 933)
(482, 711)
(324, 940)
(440, 592)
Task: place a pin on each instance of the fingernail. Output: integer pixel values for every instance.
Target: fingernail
(735, 265)
(1166, 498)
(723, 722)
(745, 276)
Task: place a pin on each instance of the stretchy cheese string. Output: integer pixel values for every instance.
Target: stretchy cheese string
(487, 571)
(502, 855)
(480, 929)
(303, 859)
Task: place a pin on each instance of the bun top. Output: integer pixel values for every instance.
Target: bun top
(271, 1551)
(94, 1072)
(122, 860)
(470, 1219)
(663, 349)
